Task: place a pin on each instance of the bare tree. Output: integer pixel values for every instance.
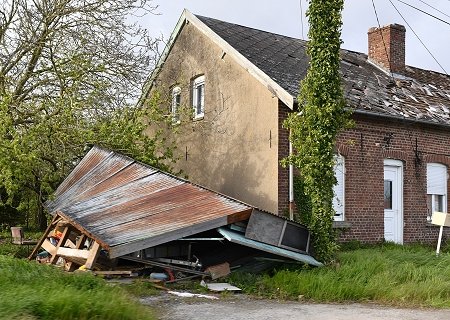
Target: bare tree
(69, 70)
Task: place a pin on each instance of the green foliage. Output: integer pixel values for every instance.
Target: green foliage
(33, 291)
(36, 157)
(388, 274)
(70, 72)
(321, 117)
(141, 288)
(302, 201)
(7, 248)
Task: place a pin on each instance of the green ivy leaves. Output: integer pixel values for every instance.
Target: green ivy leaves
(322, 116)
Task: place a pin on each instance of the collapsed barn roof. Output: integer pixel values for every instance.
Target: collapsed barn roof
(128, 206)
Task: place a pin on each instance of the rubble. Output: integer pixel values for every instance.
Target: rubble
(118, 217)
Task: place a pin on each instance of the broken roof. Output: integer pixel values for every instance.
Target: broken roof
(127, 206)
(280, 62)
(417, 94)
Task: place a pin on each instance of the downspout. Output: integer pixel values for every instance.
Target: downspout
(291, 182)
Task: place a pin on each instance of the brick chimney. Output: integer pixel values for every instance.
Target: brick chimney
(391, 58)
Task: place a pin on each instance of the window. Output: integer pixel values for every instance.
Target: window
(198, 97)
(437, 187)
(387, 194)
(339, 188)
(176, 100)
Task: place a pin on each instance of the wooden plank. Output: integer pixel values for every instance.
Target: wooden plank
(60, 244)
(47, 245)
(239, 216)
(71, 266)
(75, 253)
(93, 254)
(115, 273)
(80, 228)
(55, 220)
(70, 244)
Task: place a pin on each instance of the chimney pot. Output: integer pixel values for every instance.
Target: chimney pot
(387, 47)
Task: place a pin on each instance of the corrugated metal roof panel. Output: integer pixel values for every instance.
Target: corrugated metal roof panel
(239, 238)
(131, 206)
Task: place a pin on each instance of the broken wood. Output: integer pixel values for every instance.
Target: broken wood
(47, 245)
(55, 220)
(165, 265)
(93, 254)
(73, 253)
(60, 244)
(115, 273)
(219, 270)
(71, 266)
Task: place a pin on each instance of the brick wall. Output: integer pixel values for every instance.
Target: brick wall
(283, 151)
(365, 147)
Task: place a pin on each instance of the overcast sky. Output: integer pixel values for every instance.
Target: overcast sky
(284, 17)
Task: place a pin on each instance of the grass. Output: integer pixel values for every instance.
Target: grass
(13, 250)
(389, 274)
(33, 291)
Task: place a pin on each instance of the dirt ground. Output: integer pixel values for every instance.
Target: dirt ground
(239, 307)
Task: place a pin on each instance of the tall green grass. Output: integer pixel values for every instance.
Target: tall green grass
(32, 291)
(390, 274)
(7, 248)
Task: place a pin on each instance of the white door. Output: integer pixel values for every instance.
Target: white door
(393, 201)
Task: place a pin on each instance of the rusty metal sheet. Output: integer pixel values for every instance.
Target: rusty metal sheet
(130, 206)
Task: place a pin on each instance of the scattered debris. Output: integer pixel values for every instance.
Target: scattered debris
(219, 287)
(192, 295)
(219, 271)
(118, 217)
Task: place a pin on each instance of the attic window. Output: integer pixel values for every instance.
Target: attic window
(198, 97)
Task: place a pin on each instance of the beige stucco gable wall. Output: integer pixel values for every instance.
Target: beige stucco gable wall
(234, 149)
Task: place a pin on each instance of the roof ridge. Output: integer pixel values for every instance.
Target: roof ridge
(248, 27)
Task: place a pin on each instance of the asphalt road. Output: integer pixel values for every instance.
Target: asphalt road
(242, 307)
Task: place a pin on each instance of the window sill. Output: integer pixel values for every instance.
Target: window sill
(341, 224)
(198, 118)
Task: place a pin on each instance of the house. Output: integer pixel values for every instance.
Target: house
(238, 84)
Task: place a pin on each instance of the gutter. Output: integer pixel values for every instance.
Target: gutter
(291, 182)
(390, 117)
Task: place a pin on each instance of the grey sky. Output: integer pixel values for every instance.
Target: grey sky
(284, 17)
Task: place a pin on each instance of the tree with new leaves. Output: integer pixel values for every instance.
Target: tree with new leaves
(320, 118)
(69, 73)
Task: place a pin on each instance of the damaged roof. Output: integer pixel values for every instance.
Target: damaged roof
(127, 206)
(416, 95)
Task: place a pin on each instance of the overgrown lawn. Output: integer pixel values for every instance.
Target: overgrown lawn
(388, 274)
(33, 291)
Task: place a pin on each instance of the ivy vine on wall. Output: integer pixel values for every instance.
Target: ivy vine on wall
(320, 118)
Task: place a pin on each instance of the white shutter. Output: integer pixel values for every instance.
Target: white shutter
(436, 179)
(339, 188)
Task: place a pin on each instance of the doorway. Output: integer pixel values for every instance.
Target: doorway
(393, 201)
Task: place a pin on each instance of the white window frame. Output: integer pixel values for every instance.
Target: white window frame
(339, 188)
(437, 184)
(176, 101)
(198, 103)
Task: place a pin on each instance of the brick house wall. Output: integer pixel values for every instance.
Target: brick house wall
(365, 147)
